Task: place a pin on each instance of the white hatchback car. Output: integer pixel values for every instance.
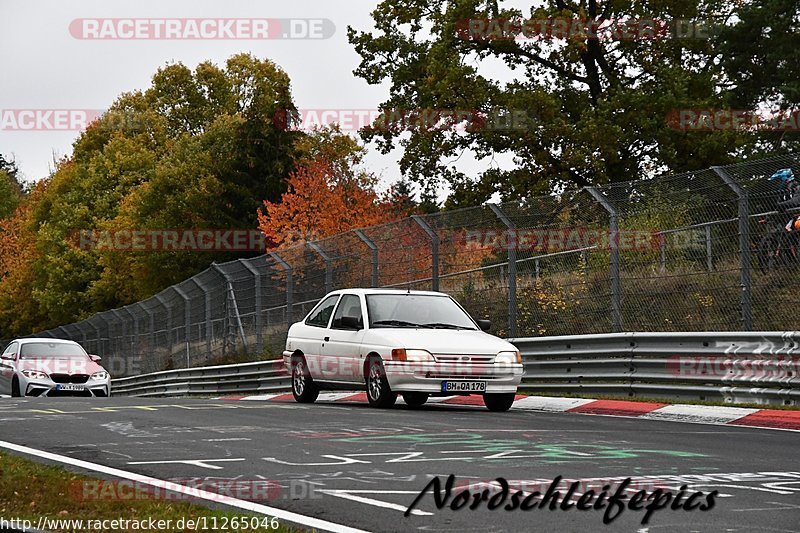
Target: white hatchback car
(415, 343)
(51, 367)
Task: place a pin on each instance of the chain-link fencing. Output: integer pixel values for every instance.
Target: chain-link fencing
(699, 251)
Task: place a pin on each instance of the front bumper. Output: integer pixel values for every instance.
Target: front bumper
(428, 377)
(47, 387)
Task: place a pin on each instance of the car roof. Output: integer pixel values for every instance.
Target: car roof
(366, 291)
(28, 340)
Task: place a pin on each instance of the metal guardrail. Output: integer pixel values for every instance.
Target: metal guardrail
(732, 367)
(246, 378)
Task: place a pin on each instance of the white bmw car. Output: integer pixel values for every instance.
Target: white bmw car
(51, 367)
(414, 343)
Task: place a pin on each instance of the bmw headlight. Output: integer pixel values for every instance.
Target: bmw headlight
(508, 358)
(100, 375)
(34, 374)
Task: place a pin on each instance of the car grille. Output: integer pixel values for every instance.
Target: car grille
(449, 358)
(81, 393)
(69, 378)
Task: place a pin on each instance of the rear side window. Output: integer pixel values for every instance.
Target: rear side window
(320, 316)
(349, 306)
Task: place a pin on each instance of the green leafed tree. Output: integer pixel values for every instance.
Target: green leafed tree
(198, 149)
(568, 109)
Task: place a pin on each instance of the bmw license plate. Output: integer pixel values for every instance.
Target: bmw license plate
(463, 386)
(70, 387)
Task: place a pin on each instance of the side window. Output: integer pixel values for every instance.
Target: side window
(323, 312)
(349, 306)
(11, 351)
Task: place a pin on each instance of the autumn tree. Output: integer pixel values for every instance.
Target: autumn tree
(321, 202)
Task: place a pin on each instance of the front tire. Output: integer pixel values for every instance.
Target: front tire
(499, 402)
(15, 392)
(415, 399)
(379, 393)
(304, 389)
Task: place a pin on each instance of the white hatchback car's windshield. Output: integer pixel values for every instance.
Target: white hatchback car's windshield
(47, 350)
(416, 310)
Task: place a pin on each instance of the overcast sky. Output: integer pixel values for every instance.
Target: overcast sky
(44, 67)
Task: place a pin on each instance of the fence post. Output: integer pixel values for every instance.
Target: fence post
(434, 250)
(119, 343)
(134, 338)
(289, 286)
(616, 292)
(187, 320)
(744, 247)
(231, 297)
(512, 268)
(168, 332)
(328, 265)
(209, 326)
(709, 257)
(374, 249)
(258, 318)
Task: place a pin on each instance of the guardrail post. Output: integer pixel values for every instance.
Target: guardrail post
(744, 247)
(434, 249)
(512, 268)
(289, 286)
(258, 318)
(328, 265)
(374, 249)
(616, 290)
(187, 320)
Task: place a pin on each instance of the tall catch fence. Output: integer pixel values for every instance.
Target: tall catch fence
(699, 251)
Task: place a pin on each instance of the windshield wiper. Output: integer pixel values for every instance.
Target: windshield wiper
(398, 323)
(442, 325)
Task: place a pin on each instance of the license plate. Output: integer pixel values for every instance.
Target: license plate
(70, 387)
(463, 386)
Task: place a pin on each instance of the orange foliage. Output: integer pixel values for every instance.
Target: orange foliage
(319, 204)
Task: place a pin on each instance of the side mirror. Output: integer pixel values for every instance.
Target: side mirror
(485, 325)
(350, 322)
(95, 358)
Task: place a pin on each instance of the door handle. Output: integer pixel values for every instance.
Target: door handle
(327, 339)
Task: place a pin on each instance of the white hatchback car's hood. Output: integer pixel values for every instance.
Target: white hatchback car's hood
(438, 341)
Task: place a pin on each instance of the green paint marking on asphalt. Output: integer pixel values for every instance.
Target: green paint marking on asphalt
(550, 452)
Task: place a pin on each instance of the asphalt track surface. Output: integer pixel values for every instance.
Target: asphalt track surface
(361, 467)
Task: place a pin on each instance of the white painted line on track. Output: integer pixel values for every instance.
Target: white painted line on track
(280, 514)
(699, 413)
(547, 403)
(350, 495)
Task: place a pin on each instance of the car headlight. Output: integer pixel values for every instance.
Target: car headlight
(508, 358)
(412, 356)
(34, 374)
(100, 375)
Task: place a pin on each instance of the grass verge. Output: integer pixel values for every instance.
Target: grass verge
(29, 491)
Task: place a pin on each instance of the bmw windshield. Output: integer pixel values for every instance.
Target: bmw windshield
(416, 311)
(51, 350)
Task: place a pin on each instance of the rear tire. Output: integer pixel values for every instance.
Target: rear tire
(15, 392)
(379, 393)
(415, 399)
(499, 402)
(304, 389)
